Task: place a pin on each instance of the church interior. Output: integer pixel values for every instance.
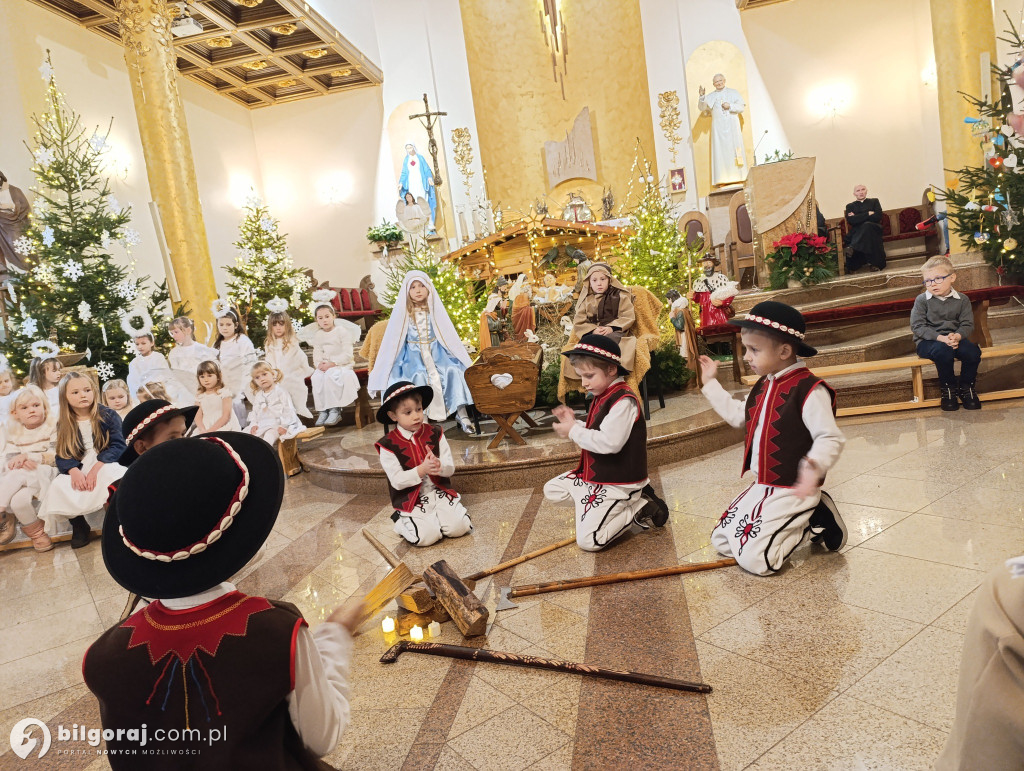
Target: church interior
(372, 198)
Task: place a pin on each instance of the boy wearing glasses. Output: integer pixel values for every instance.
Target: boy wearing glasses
(942, 323)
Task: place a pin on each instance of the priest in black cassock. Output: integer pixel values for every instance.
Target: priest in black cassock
(864, 218)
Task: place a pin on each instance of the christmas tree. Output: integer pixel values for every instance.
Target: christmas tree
(457, 293)
(985, 209)
(264, 270)
(73, 292)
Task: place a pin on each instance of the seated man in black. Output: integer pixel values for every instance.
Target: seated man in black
(864, 244)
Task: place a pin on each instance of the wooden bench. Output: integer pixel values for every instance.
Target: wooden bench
(288, 451)
(897, 225)
(916, 365)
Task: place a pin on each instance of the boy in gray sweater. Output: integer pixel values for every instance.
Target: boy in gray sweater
(942, 322)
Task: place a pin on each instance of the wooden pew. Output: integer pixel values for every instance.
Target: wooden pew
(287, 450)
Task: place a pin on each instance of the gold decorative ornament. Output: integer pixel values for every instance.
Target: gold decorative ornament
(284, 29)
(315, 53)
(552, 26)
(341, 73)
(463, 152)
(256, 66)
(249, 3)
(219, 42)
(668, 101)
(287, 83)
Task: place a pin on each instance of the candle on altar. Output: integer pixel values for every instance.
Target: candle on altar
(416, 633)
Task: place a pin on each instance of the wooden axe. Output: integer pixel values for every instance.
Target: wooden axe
(507, 592)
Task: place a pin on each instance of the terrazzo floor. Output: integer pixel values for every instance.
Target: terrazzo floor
(842, 661)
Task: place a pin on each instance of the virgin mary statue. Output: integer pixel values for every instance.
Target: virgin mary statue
(417, 179)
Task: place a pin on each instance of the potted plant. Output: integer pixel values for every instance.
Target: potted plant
(386, 234)
(800, 259)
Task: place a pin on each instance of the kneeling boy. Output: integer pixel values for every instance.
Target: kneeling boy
(418, 462)
(792, 440)
(609, 489)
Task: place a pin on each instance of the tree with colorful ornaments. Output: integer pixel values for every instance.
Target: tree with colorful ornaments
(985, 210)
(264, 270)
(74, 292)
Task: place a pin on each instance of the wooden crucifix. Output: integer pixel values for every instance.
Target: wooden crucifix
(429, 121)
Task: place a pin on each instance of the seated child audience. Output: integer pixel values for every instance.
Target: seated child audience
(273, 416)
(942, 322)
(215, 401)
(46, 372)
(187, 354)
(150, 366)
(792, 440)
(276, 692)
(284, 353)
(89, 444)
(418, 462)
(334, 382)
(117, 396)
(605, 307)
(609, 488)
(27, 450)
(235, 355)
(152, 391)
(8, 389)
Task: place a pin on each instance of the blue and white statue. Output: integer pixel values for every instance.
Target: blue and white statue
(417, 179)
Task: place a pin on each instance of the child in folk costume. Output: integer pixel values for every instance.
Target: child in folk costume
(605, 307)
(792, 441)
(89, 444)
(609, 488)
(273, 416)
(235, 354)
(215, 401)
(27, 450)
(283, 352)
(334, 382)
(45, 370)
(418, 463)
(203, 655)
(420, 345)
(117, 396)
(187, 354)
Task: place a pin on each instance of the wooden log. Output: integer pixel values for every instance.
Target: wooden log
(439, 614)
(416, 599)
(393, 584)
(465, 608)
(407, 621)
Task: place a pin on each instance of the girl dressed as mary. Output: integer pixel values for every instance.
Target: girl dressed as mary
(420, 345)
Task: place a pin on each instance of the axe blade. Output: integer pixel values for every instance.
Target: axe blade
(504, 603)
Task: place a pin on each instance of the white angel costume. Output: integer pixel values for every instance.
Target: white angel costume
(153, 368)
(19, 486)
(272, 410)
(236, 357)
(293, 363)
(211, 407)
(424, 348)
(338, 386)
(187, 358)
(728, 158)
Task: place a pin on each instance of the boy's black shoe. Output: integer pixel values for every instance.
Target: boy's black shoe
(654, 512)
(969, 397)
(825, 519)
(79, 532)
(947, 396)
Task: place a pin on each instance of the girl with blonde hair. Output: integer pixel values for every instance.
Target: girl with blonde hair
(27, 450)
(273, 415)
(284, 353)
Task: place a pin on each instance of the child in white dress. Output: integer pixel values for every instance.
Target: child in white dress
(273, 416)
(117, 396)
(215, 401)
(89, 444)
(284, 353)
(335, 384)
(235, 354)
(8, 389)
(27, 449)
(46, 372)
(187, 354)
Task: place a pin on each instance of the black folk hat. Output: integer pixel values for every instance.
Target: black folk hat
(143, 417)
(598, 347)
(784, 321)
(191, 513)
(399, 389)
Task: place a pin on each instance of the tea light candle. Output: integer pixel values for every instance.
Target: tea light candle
(388, 625)
(434, 628)
(416, 633)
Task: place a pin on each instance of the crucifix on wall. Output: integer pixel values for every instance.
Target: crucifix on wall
(429, 121)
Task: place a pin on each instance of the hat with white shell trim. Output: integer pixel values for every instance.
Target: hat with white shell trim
(165, 539)
(780, 320)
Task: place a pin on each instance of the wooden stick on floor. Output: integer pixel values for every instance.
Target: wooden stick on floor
(505, 565)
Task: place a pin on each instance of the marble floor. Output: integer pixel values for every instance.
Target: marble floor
(842, 661)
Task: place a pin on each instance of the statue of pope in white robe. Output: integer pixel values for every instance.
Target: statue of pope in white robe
(728, 158)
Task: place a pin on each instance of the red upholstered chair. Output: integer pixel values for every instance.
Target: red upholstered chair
(886, 225)
(353, 304)
(908, 218)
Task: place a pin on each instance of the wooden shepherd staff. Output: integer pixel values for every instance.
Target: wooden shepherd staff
(518, 660)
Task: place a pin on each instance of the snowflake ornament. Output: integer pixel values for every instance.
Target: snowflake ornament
(130, 238)
(73, 270)
(47, 236)
(268, 254)
(46, 70)
(247, 254)
(127, 290)
(253, 201)
(266, 223)
(44, 156)
(114, 203)
(84, 311)
(29, 326)
(44, 274)
(23, 246)
(105, 370)
(105, 239)
(98, 143)
(296, 325)
(129, 347)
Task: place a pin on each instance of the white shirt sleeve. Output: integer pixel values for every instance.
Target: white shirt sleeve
(318, 707)
(732, 411)
(614, 430)
(828, 439)
(447, 462)
(400, 478)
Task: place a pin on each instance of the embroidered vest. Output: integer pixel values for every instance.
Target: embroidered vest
(628, 465)
(411, 453)
(784, 438)
(226, 666)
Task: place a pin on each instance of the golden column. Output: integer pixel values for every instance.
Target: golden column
(961, 31)
(149, 53)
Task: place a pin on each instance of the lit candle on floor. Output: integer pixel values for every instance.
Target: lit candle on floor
(388, 625)
(416, 633)
(434, 628)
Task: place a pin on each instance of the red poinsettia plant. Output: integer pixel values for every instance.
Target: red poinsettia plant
(800, 257)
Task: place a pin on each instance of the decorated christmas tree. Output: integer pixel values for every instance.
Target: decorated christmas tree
(456, 292)
(985, 209)
(264, 270)
(73, 292)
